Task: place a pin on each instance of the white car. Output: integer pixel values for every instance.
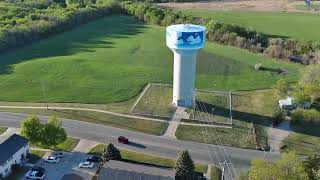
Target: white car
(52, 159)
(86, 164)
(34, 175)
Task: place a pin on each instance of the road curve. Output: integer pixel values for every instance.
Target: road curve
(151, 144)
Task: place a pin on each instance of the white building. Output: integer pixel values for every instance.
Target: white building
(286, 104)
(12, 151)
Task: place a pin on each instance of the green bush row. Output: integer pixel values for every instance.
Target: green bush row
(23, 23)
(230, 34)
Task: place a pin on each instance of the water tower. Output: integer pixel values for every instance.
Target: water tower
(184, 40)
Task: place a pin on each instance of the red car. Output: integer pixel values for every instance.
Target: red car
(123, 140)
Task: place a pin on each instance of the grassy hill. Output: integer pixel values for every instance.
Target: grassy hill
(302, 26)
(111, 59)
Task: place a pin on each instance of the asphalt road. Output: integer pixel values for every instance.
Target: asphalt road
(163, 146)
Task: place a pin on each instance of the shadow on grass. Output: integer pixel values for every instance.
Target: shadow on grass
(273, 70)
(85, 38)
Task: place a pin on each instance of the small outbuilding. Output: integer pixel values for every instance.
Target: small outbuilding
(119, 170)
(286, 104)
(12, 152)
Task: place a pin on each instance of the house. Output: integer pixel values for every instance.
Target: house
(12, 151)
(286, 104)
(289, 104)
(119, 170)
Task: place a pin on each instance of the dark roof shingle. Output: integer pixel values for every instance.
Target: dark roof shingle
(10, 146)
(118, 170)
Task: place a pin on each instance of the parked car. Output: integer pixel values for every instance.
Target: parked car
(123, 140)
(58, 154)
(93, 159)
(52, 159)
(34, 175)
(37, 168)
(86, 164)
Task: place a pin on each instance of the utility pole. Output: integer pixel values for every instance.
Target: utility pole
(222, 171)
(230, 107)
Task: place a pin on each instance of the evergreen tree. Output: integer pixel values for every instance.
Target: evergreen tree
(184, 167)
(110, 153)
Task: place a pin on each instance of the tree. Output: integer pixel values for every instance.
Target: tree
(110, 153)
(301, 96)
(311, 76)
(313, 167)
(282, 87)
(310, 81)
(53, 133)
(262, 170)
(184, 167)
(32, 129)
(278, 116)
(288, 167)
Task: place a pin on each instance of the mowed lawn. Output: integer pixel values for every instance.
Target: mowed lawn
(111, 59)
(302, 26)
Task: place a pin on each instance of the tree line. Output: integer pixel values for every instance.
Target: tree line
(230, 34)
(24, 22)
(27, 21)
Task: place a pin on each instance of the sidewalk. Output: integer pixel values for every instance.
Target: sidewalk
(278, 134)
(175, 121)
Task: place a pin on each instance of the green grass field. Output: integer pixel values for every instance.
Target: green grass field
(302, 26)
(111, 59)
(145, 158)
(140, 125)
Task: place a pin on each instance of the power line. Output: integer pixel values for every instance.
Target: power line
(218, 141)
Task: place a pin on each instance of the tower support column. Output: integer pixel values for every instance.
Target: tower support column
(184, 76)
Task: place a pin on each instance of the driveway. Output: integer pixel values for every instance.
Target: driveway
(67, 168)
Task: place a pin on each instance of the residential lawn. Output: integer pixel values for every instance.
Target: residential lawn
(34, 156)
(68, 145)
(113, 58)
(140, 125)
(215, 173)
(18, 173)
(2, 130)
(145, 158)
(300, 26)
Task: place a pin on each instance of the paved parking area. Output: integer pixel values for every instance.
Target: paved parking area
(67, 168)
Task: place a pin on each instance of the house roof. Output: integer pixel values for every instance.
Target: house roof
(285, 102)
(118, 170)
(10, 146)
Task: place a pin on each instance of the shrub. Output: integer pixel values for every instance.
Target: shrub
(258, 66)
(304, 117)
